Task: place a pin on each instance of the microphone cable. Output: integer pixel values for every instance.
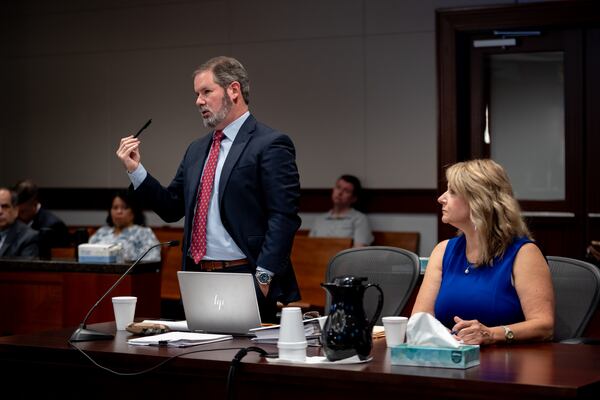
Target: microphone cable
(152, 368)
(233, 368)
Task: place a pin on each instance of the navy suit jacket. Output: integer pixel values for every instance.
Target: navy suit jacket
(20, 241)
(59, 233)
(259, 191)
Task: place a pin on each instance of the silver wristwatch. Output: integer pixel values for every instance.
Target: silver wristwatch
(263, 278)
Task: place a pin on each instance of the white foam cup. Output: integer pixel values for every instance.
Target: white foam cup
(395, 330)
(124, 307)
(292, 340)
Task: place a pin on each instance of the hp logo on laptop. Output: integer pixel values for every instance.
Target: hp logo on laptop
(218, 301)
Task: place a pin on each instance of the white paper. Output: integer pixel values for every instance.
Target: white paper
(178, 339)
(378, 330)
(321, 360)
(424, 330)
(272, 331)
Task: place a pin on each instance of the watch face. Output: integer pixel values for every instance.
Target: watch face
(508, 334)
(263, 278)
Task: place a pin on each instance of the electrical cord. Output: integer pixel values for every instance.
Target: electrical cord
(235, 363)
(144, 371)
(237, 360)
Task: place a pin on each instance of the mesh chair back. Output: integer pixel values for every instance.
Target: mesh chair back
(577, 292)
(395, 270)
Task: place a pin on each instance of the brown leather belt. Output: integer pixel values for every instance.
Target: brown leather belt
(215, 265)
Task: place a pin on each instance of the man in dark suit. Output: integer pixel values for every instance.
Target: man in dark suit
(55, 232)
(247, 220)
(16, 238)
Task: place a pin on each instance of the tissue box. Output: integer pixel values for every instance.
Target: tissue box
(463, 357)
(99, 253)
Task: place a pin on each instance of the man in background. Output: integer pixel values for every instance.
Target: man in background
(238, 189)
(31, 212)
(343, 220)
(16, 238)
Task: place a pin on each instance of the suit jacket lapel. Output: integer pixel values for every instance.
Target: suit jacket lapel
(8, 239)
(237, 148)
(4, 247)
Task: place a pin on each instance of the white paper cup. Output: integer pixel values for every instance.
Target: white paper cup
(292, 340)
(124, 307)
(395, 330)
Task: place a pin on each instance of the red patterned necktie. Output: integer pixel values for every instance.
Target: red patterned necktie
(198, 246)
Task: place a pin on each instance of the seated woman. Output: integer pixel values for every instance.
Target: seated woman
(491, 283)
(126, 226)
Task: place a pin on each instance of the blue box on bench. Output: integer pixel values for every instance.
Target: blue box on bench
(100, 253)
(465, 356)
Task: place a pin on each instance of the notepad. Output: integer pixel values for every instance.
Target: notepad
(270, 334)
(178, 339)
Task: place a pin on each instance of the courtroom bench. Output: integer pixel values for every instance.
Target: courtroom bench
(46, 294)
(170, 256)
(405, 240)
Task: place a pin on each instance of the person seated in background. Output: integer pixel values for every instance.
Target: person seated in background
(33, 214)
(491, 283)
(343, 220)
(16, 238)
(126, 225)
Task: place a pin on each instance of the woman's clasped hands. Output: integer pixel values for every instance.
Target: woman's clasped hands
(471, 332)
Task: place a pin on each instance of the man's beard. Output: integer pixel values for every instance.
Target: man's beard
(219, 116)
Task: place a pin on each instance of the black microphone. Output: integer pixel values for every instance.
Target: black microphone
(82, 334)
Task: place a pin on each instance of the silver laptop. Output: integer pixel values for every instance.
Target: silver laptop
(219, 302)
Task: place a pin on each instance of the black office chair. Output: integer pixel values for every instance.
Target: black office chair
(577, 293)
(395, 270)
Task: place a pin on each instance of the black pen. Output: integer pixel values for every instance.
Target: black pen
(142, 128)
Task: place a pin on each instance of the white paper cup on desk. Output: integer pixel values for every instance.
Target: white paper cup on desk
(124, 307)
(292, 340)
(395, 330)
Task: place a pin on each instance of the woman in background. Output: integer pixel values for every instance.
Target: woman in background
(491, 283)
(126, 226)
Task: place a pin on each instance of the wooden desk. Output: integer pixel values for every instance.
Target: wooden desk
(39, 294)
(546, 370)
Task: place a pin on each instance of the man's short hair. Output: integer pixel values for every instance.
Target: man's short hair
(26, 190)
(227, 70)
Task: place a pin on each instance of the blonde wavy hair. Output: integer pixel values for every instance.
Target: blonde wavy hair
(494, 211)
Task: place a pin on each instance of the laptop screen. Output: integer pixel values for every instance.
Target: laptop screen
(219, 302)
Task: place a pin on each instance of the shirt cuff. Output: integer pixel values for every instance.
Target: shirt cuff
(137, 176)
(261, 269)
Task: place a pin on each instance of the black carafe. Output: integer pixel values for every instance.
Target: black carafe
(347, 331)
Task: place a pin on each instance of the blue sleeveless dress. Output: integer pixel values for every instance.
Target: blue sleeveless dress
(484, 293)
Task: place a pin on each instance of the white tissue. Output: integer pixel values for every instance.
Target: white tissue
(424, 330)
